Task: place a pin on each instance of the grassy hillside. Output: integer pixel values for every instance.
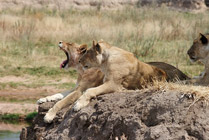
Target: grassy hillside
(29, 37)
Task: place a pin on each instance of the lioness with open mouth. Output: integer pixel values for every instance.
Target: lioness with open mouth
(73, 52)
(86, 79)
(199, 51)
(121, 69)
(90, 77)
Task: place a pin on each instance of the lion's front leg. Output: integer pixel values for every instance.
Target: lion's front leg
(70, 99)
(92, 92)
(51, 98)
(54, 97)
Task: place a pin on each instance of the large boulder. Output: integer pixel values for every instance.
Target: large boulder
(138, 115)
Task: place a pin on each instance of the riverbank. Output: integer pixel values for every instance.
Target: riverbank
(12, 127)
(8, 135)
(19, 105)
(10, 131)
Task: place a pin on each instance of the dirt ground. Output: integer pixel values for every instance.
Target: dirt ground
(19, 93)
(22, 101)
(12, 127)
(17, 108)
(139, 115)
(81, 4)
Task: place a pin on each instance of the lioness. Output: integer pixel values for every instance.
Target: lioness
(121, 69)
(199, 51)
(86, 79)
(90, 78)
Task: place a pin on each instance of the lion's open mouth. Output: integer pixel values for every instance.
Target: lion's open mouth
(193, 58)
(65, 62)
(86, 67)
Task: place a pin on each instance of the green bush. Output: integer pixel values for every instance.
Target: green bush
(30, 116)
(10, 118)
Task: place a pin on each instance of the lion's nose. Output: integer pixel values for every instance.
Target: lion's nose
(190, 52)
(60, 44)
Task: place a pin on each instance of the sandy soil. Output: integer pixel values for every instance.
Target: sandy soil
(28, 93)
(13, 79)
(17, 108)
(22, 101)
(12, 127)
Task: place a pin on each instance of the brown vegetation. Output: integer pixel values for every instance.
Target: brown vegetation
(29, 38)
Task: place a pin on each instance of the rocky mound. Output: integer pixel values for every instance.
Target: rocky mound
(139, 115)
(99, 4)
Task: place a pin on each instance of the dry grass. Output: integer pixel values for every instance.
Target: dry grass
(28, 41)
(191, 91)
(195, 92)
(188, 91)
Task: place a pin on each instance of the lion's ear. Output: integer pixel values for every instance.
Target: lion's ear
(97, 47)
(82, 49)
(94, 43)
(203, 39)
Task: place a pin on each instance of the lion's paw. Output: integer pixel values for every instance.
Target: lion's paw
(41, 101)
(80, 104)
(48, 118)
(55, 97)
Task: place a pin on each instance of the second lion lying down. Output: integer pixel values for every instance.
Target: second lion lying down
(121, 70)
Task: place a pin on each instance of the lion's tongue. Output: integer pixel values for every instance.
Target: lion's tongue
(63, 64)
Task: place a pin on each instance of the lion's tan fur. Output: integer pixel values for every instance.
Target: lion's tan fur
(86, 79)
(199, 51)
(121, 70)
(93, 77)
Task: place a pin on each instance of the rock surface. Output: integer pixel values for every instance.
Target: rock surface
(139, 115)
(99, 4)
